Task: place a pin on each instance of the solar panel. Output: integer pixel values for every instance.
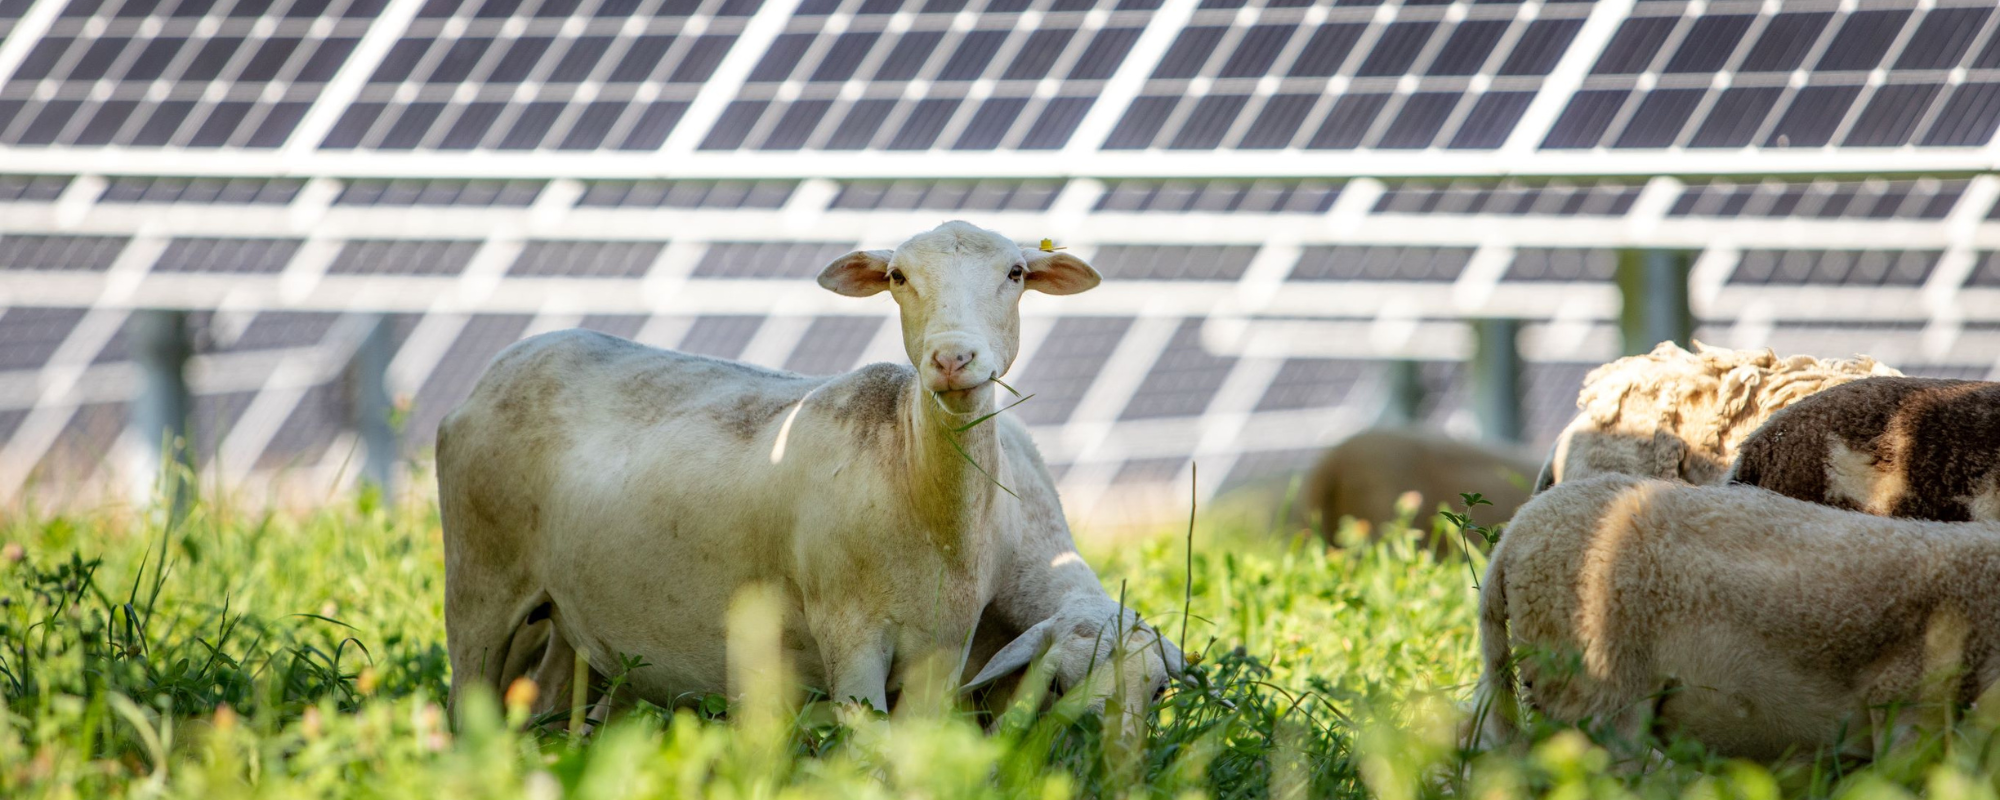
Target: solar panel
(1513, 197)
(271, 330)
(402, 257)
(1063, 368)
(24, 251)
(1834, 267)
(947, 195)
(263, 256)
(1562, 264)
(1867, 199)
(833, 344)
(482, 338)
(31, 188)
(243, 78)
(921, 81)
(687, 194)
(558, 78)
(1260, 197)
(720, 336)
(1309, 383)
(414, 192)
(1173, 263)
(28, 335)
(244, 191)
(768, 260)
(1349, 263)
(1843, 102)
(569, 259)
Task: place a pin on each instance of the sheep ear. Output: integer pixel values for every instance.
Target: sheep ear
(1059, 272)
(1016, 655)
(858, 274)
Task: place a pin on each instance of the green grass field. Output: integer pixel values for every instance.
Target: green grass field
(248, 654)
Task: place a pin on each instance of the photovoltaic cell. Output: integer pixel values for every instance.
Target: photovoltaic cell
(1968, 118)
(1584, 121)
(1541, 45)
(1786, 40)
(1709, 43)
(1863, 40)
(1942, 38)
(1814, 113)
(1658, 120)
(1734, 119)
(1891, 116)
(1633, 46)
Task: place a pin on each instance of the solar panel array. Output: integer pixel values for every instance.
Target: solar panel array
(676, 171)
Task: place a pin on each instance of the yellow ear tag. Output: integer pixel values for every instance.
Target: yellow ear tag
(1049, 246)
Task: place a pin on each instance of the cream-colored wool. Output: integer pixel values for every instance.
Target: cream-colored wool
(1677, 414)
(1754, 623)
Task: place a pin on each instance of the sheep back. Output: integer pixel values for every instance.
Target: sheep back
(1679, 414)
(1921, 448)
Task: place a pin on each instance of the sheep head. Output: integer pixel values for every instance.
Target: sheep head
(959, 289)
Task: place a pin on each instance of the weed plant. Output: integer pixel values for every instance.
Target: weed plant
(229, 653)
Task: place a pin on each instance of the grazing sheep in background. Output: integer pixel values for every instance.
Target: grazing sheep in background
(603, 497)
(1754, 623)
(1675, 414)
(1896, 447)
(1364, 476)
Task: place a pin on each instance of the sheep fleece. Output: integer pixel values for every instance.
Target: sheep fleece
(1754, 623)
(1898, 447)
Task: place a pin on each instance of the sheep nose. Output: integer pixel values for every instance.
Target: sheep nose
(949, 360)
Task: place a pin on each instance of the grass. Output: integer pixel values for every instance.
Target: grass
(243, 653)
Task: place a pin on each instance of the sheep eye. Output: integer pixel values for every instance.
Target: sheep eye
(1015, 274)
(896, 276)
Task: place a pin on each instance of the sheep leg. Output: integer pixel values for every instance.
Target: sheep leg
(857, 662)
(481, 635)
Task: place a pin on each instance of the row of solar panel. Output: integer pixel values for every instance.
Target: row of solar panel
(1181, 381)
(799, 260)
(1813, 115)
(1926, 198)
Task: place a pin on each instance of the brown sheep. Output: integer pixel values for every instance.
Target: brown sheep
(1896, 447)
(1756, 624)
(1681, 415)
(1364, 477)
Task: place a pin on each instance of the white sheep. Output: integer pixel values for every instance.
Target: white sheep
(609, 497)
(1676, 414)
(1922, 448)
(1754, 623)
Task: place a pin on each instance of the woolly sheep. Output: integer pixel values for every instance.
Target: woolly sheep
(1678, 414)
(1754, 623)
(1898, 447)
(1366, 475)
(603, 497)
